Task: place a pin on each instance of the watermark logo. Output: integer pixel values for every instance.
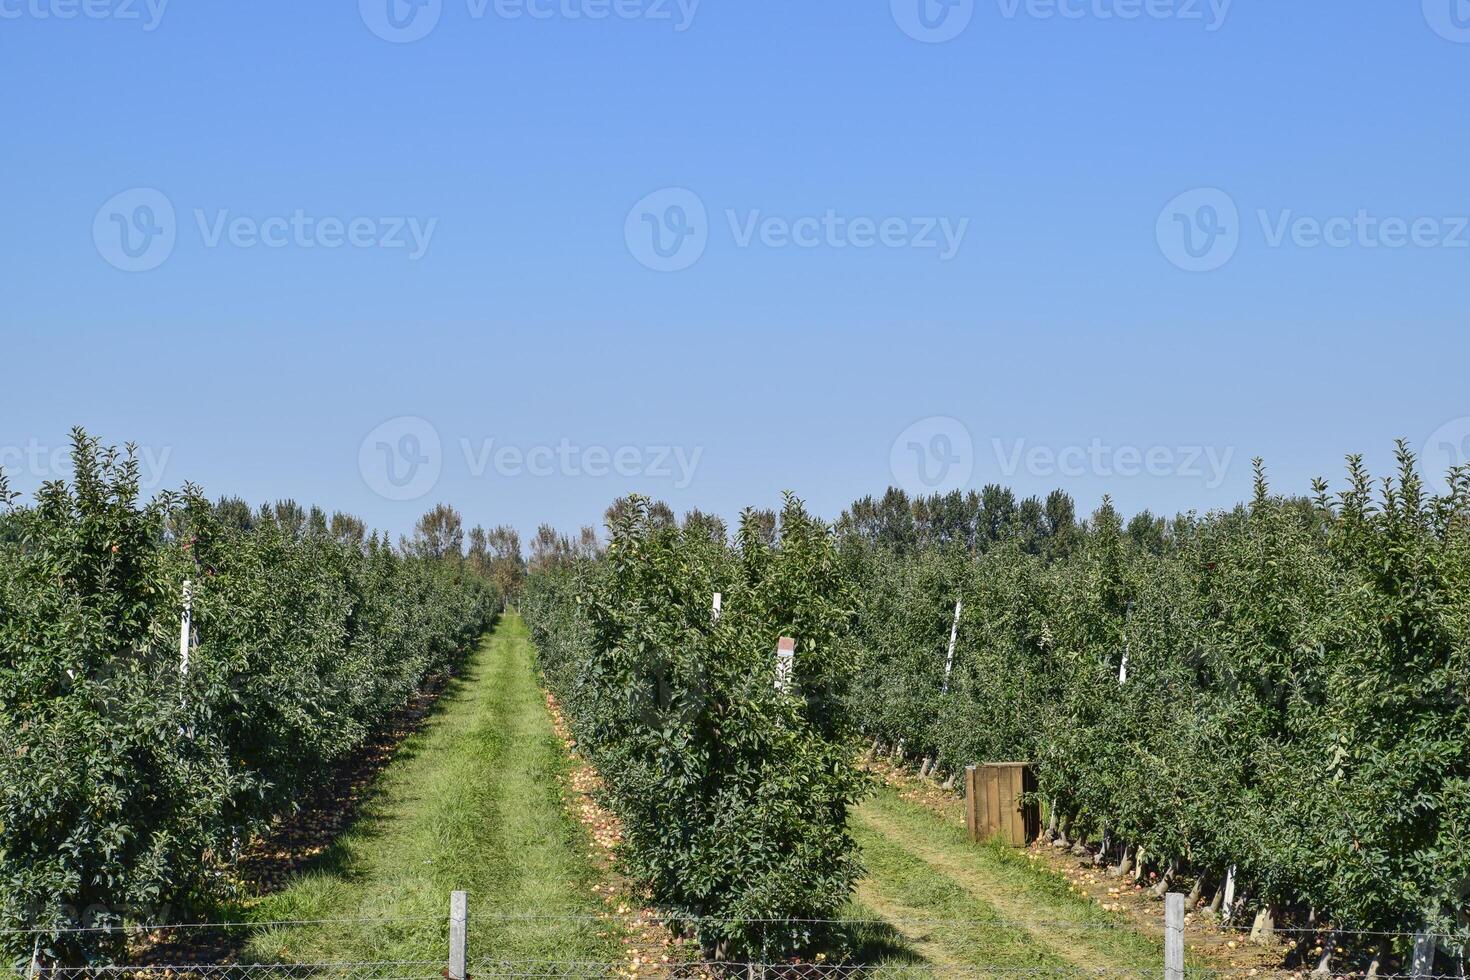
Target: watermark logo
(42, 462)
(406, 21)
(1199, 231)
(136, 230)
(401, 459)
(307, 231)
(1450, 19)
(1207, 464)
(569, 459)
(1446, 448)
(934, 455)
(668, 230)
(932, 21)
(1209, 13)
(148, 13)
(401, 21)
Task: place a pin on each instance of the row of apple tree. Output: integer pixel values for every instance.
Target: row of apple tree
(1278, 694)
(729, 766)
(134, 763)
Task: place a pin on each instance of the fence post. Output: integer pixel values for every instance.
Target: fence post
(1174, 936)
(458, 934)
(1424, 944)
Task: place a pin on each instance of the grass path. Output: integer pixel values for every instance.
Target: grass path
(954, 902)
(473, 801)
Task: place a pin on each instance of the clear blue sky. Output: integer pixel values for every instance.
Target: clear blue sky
(1053, 141)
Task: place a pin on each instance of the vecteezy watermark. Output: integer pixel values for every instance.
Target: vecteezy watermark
(659, 462)
(148, 14)
(1446, 448)
(1210, 14)
(1201, 230)
(937, 21)
(40, 461)
(406, 21)
(932, 21)
(934, 455)
(668, 231)
(1209, 464)
(402, 458)
(1450, 19)
(137, 230)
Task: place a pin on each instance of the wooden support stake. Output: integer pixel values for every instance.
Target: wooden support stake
(1174, 936)
(954, 632)
(458, 934)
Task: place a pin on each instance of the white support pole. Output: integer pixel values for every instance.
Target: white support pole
(1123, 666)
(1174, 936)
(785, 662)
(714, 615)
(954, 633)
(458, 934)
(186, 622)
(1228, 905)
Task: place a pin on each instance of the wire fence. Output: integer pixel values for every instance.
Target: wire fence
(643, 946)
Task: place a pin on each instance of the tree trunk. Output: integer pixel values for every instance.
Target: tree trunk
(872, 751)
(1139, 863)
(1324, 962)
(1379, 955)
(949, 783)
(898, 751)
(1264, 928)
(1165, 883)
(1051, 823)
(1062, 840)
(924, 767)
(1197, 892)
(1125, 863)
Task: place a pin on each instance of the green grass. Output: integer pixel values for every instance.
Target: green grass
(473, 802)
(949, 902)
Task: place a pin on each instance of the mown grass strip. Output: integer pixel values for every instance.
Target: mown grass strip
(473, 802)
(924, 867)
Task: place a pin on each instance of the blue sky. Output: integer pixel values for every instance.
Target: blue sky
(1117, 246)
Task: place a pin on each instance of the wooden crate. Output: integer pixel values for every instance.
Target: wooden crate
(993, 806)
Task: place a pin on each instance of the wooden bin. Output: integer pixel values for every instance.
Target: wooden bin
(993, 806)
